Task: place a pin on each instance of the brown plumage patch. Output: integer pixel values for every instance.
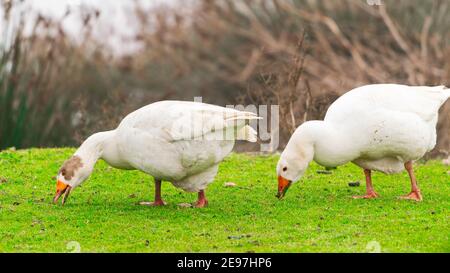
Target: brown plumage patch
(70, 166)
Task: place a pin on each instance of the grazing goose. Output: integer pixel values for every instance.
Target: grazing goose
(176, 141)
(380, 127)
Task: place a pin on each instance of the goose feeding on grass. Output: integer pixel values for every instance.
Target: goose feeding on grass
(380, 127)
(175, 141)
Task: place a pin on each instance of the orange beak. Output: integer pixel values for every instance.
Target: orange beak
(61, 189)
(283, 186)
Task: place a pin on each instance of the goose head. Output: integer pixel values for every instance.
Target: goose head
(79, 167)
(294, 160)
(72, 173)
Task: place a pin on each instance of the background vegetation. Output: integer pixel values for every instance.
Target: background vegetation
(300, 54)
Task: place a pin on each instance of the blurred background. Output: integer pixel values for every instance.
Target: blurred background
(69, 68)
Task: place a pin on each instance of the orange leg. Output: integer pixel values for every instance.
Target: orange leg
(415, 191)
(158, 200)
(370, 193)
(201, 202)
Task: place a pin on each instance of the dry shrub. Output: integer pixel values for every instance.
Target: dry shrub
(47, 80)
(223, 49)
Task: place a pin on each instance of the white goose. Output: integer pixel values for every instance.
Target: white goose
(176, 141)
(381, 127)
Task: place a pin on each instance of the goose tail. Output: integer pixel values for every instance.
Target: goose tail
(441, 91)
(241, 115)
(447, 92)
(247, 133)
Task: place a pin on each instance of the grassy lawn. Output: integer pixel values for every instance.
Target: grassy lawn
(317, 214)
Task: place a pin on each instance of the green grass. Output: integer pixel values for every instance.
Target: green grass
(317, 214)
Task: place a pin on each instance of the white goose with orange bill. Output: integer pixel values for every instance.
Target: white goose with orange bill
(379, 127)
(176, 141)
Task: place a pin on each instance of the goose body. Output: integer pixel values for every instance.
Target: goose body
(384, 125)
(175, 141)
(378, 127)
(153, 140)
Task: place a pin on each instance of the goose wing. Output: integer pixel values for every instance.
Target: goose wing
(180, 120)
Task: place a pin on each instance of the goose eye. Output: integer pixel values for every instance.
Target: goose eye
(284, 169)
